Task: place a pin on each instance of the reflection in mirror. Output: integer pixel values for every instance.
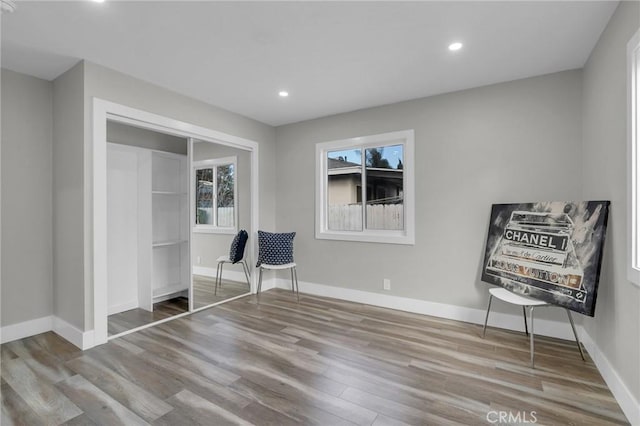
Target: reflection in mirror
(221, 177)
(147, 227)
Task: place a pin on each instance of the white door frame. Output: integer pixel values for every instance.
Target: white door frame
(103, 110)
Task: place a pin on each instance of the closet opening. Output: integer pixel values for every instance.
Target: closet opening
(168, 199)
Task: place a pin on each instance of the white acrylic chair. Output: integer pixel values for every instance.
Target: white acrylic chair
(276, 254)
(526, 302)
(236, 255)
(294, 276)
(225, 259)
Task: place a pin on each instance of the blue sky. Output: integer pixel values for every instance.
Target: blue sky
(391, 153)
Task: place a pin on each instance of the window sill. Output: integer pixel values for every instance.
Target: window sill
(633, 275)
(369, 237)
(214, 230)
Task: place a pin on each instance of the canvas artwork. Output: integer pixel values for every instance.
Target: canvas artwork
(551, 251)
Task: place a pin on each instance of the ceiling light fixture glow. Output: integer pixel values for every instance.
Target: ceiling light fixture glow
(98, 1)
(455, 46)
(283, 93)
(7, 6)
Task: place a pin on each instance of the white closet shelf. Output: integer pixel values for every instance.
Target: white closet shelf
(168, 243)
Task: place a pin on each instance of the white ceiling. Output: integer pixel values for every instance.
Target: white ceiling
(331, 56)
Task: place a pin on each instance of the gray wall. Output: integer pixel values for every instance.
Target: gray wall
(113, 86)
(511, 142)
(143, 138)
(68, 189)
(209, 246)
(616, 326)
(27, 291)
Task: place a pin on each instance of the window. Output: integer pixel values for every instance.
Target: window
(215, 195)
(633, 59)
(364, 189)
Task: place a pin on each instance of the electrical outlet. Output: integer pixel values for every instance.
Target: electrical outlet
(386, 284)
(198, 260)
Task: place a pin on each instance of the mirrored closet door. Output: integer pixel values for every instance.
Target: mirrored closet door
(221, 200)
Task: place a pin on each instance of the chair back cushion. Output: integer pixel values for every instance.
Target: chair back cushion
(275, 248)
(236, 253)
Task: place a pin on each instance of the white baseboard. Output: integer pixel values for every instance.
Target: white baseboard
(227, 274)
(81, 339)
(24, 329)
(629, 404)
(268, 284)
(561, 330)
(121, 307)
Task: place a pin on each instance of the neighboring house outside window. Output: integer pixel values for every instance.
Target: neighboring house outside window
(365, 189)
(215, 195)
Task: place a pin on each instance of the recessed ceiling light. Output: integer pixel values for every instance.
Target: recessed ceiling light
(283, 93)
(455, 46)
(98, 1)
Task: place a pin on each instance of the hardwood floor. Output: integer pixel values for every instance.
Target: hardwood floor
(128, 320)
(319, 362)
(204, 294)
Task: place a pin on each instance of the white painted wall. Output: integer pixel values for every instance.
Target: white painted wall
(616, 326)
(27, 125)
(122, 228)
(68, 197)
(511, 142)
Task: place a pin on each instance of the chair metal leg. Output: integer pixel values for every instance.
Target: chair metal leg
(524, 314)
(259, 284)
(295, 274)
(573, 327)
(245, 267)
(293, 286)
(218, 277)
(532, 349)
(486, 318)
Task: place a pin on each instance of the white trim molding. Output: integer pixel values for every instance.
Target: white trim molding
(226, 273)
(406, 236)
(24, 329)
(560, 330)
(81, 339)
(628, 403)
(633, 159)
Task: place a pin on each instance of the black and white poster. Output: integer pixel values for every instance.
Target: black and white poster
(550, 251)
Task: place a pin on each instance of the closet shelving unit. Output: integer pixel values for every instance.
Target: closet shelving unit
(169, 226)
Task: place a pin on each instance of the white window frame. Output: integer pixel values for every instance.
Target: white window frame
(214, 164)
(633, 155)
(407, 236)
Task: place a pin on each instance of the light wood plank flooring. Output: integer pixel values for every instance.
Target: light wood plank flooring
(319, 362)
(128, 320)
(204, 294)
